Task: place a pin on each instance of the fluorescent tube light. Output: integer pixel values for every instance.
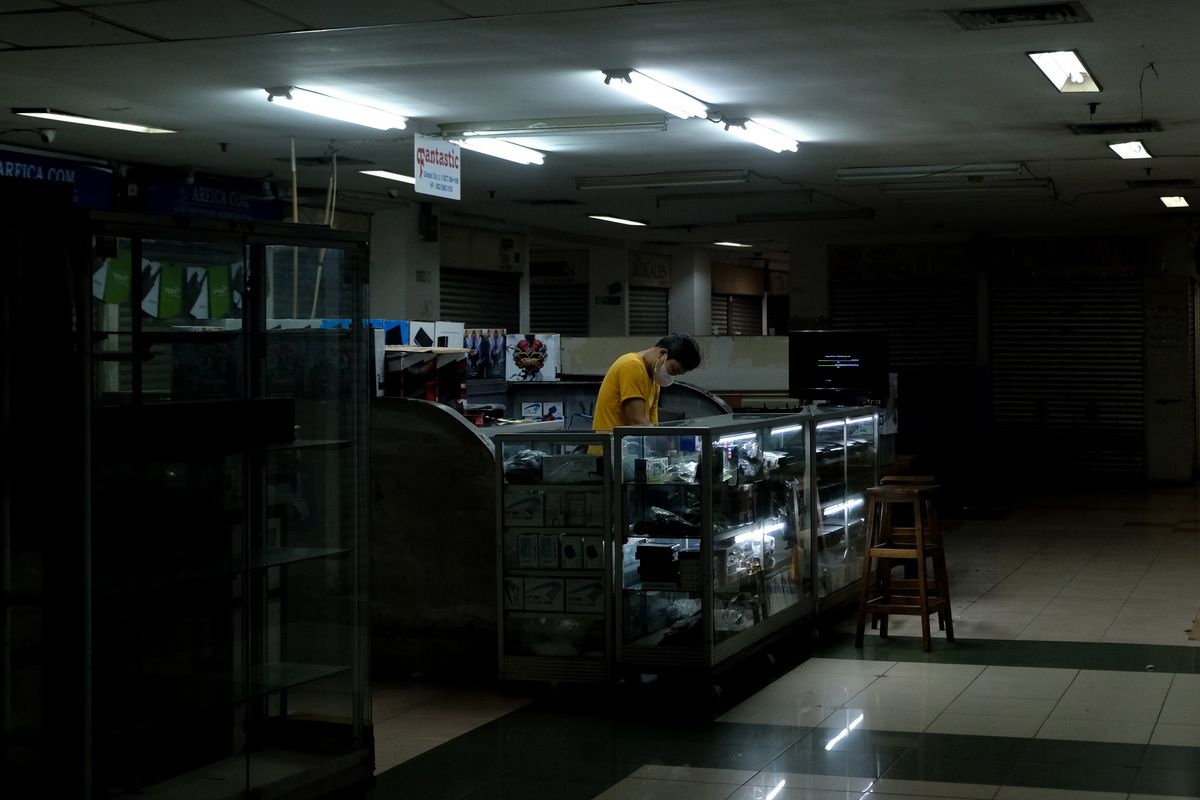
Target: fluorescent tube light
(335, 108)
(391, 176)
(849, 505)
(732, 244)
(1134, 149)
(943, 187)
(847, 174)
(736, 437)
(63, 116)
(860, 420)
(499, 148)
(648, 90)
(1174, 202)
(786, 429)
(655, 180)
(560, 126)
(761, 135)
(1065, 70)
(617, 220)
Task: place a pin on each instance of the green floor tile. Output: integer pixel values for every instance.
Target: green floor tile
(1167, 757)
(1075, 777)
(1175, 782)
(958, 759)
(822, 762)
(1062, 752)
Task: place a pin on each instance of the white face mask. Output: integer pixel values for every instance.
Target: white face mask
(662, 377)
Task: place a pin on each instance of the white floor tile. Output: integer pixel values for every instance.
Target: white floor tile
(982, 702)
(790, 793)
(1185, 691)
(935, 672)
(1176, 735)
(881, 720)
(842, 666)
(889, 788)
(1030, 682)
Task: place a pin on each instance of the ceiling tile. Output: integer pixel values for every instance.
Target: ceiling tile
(61, 28)
(186, 19)
(8, 6)
(361, 13)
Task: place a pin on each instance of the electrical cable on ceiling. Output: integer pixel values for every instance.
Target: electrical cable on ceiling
(806, 187)
(1142, 77)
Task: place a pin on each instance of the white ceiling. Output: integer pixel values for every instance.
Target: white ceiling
(859, 82)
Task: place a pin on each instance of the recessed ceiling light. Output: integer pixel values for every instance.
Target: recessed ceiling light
(732, 244)
(617, 220)
(63, 116)
(1134, 149)
(391, 176)
(335, 108)
(499, 148)
(1065, 70)
(1174, 202)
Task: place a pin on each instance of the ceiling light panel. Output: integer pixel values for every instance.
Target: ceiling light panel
(559, 126)
(75, 119)
(732, 244)
(1134, 149)
(1065, 70)
(391, 176)
(1174, 202)
(335, 108)
(617, 220)
(499, 148)
(657, 94)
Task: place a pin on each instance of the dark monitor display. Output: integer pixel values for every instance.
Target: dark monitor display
(848, 366)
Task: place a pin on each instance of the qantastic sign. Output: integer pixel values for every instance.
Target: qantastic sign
(437, 167)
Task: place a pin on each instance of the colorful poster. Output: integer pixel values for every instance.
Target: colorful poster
(170, 291)
(150, 273)
(533, 357)
(195, 292)
(111, 282)
(218, 291)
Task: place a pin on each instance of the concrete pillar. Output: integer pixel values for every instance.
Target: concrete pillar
(404, 269)
(691, 291)
(1170, 372)
(809, 307)
(608, 266)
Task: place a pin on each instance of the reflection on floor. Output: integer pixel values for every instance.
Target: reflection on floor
(1075, 674)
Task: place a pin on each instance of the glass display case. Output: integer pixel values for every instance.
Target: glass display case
(228, 524)
(714, 542)
(845, 442)
(554, 539)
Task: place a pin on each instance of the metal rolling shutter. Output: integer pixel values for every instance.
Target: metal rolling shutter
(648, 311)
(559, 308)
(720, 315)
(746, 315)
(481, 298)
(1067, 360)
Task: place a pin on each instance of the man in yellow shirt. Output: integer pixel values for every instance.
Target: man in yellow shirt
(629, 393)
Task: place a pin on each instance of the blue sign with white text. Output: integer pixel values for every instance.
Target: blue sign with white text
(91, 183)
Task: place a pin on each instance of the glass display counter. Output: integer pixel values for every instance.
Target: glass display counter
(554, 523)
(844, 466)
(714, 542)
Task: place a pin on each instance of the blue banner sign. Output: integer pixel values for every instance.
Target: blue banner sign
(91, 183)
(209, 198)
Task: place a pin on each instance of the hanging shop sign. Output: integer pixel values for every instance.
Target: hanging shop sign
(649, 269)
(209, 197)
(91, 181)
(437, 167)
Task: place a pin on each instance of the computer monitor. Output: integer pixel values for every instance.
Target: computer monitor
(840, 366)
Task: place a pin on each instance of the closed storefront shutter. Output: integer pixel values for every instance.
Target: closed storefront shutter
(559, 308)
(648, 311)
(481, 299)
(1067, 372)
(720, 315)
(746, 315)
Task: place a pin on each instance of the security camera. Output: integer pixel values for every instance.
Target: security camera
(393, 193)
(47, 134)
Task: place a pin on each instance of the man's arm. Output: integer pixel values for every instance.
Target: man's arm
(635, 411)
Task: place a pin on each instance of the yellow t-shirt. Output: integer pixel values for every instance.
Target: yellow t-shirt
(626, 379)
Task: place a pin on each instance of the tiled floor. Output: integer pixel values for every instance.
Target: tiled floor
(1073, 677)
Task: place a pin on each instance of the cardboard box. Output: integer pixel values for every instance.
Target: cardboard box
(570, 551)
(656, 470)
(584, 594)
(532, 357)
(548, 551)
(531, 411)
(421, 334)
(514, 594)
(524, 508)
(593, 552)
(527, 551)
(544, 594)
(594, 509)
(448, 334)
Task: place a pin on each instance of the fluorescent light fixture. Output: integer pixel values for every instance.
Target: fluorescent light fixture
(848, 174)
(944, 187)
(837, 423)
(648, 90)
(860, 420)
(499, 148)
(786, 429)
(391, 176)
(762, 530)
(63, 116)
(736, 437)
(1134, 149)
(761, 135)
(617, 220)
(849, 505)
(335, 108)
(771, 795)
(656, 180)
(558, 126)
(1174, 202)
(1065, 70)
(732, 244)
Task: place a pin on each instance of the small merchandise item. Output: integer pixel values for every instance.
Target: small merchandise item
(593, 552)
(524, 467)
(570, 551)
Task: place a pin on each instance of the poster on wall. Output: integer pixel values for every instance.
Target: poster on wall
(485, 352)
(533, 357)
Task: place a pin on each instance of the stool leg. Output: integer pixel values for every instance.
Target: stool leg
(865, 588)
(922, 588)
(885, 592)
(943, 582)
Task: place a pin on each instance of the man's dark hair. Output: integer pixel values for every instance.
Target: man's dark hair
(682, 348)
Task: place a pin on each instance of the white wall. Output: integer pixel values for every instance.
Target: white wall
(691, 291)
(1169, 370)
(404, 269)
(743, 364)
(608, 265)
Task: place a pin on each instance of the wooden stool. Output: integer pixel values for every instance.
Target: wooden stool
(889, 546)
